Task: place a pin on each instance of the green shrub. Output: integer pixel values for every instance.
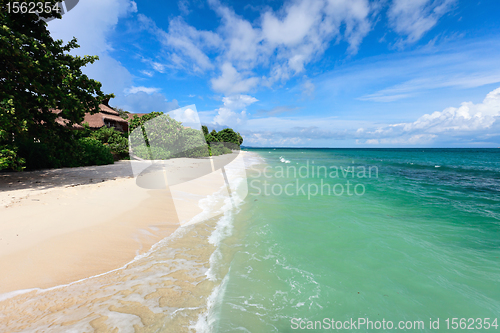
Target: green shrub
(94, 152)
(217, 148)
(9, 159)
(191, 143)
(39, 155)
(151, 153)
(116, 141)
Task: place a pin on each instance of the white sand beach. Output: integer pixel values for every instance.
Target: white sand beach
(65, 225)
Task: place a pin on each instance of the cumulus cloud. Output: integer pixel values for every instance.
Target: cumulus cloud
(232, 82)
(465, 125)
(92, 22)
(233, 109)
(477, 119)
(468, 117)
(187, 115)
(413, 18)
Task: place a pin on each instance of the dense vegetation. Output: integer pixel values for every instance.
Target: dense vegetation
(37, 75)
(158, 136)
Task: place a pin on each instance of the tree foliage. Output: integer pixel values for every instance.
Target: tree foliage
(115, 140)
(205, 130)
(93, 152)
(222, 142)
(157, 136)
(122, 113)
(37, 75)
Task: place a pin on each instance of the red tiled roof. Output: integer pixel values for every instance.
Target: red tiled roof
(96, 120)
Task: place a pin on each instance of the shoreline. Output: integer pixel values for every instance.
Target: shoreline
(163, 255)
(57, 234)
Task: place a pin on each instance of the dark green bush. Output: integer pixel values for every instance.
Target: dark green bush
(69, 153)
(42, 156)
(116, 141)
(9, 159)
(93, 152)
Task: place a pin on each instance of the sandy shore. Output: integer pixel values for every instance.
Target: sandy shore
(60, 226)
(61, 229)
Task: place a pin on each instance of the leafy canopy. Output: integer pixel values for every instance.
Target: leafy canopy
(158, 136)
(37, 74)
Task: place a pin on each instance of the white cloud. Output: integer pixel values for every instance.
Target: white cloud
(187, 115)
(133, 90)
(281, 42)
(240, 40)
(296, 24)
(233, 110)
(158, 66)
(147, 73)
(468, 124)
(92, 22)
(232, 82)
(184, 41)
(303, 30)
(469, 118)
(410, 87)
(413, 18)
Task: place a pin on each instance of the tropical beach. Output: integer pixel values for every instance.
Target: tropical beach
(67, 238)
(207, 166)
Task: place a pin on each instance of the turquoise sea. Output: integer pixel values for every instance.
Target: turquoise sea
(418, 241)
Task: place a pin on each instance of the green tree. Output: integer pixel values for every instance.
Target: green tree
(122, 113)
(155, 136)
(37, 75)
(214, 134)
(205, 130)
(230, 138)
(137, 121)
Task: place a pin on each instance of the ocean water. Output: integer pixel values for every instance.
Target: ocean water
(323, 237)
(411, 235)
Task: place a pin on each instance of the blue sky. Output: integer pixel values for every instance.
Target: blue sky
(304, 73)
